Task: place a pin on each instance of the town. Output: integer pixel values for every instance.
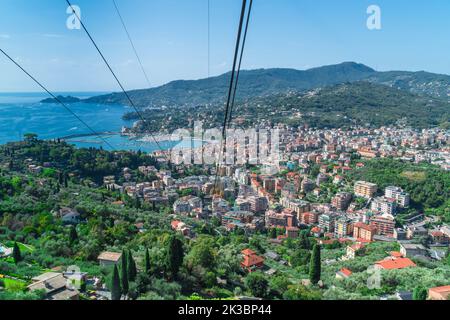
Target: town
(344, 208)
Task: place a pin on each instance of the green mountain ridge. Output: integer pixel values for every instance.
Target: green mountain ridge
(266, 82)
(339, 106)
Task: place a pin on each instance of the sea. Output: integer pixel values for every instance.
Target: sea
(22, 113)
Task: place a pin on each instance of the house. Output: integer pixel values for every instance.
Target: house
(353, 250)
(4, 251)
(109, 258)
(251, 260)
(412, 250)
(392, 263)
(69, 216)
(55, 285)
(416, 231)
(181, 227)
(438, 237)
(316, 232)
(439, 293)
(344, 273)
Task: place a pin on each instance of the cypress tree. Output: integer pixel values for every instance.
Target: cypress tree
(124, 273)
(132, 272)
(315, 265)
(116, 291)
(73, 235)
(66, 181)
(420, 293)
(147, 262)
(174, 255)
(17, 256)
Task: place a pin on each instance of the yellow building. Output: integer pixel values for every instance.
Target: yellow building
(365, 189)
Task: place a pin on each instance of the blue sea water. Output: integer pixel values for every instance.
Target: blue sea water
(22, 113)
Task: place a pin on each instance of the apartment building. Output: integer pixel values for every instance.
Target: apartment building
(343, 227)
(341, 200)
(384, 225)
(401, 198)
(365, 189)
(363, 231)
(327, 222)
(384, 205)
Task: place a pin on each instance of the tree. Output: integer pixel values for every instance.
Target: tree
(315, 265)
(202, 253)
(175, 255)
(17, 256)
(420, 293)
(304, 240)
(273, 233)
(73, 235)
(147, 262)
(124, 272)
(300, 257)
(30, 137)
(299, 292)
(116, 291)
(66, 181)
(257, 283)
(132, 272)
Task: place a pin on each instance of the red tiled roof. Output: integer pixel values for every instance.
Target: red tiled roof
(443, 289)
(364, 226)
(248, 252)
(346, 272)
(396, 254)
(175, 224)
(251, 259)
(399, 263)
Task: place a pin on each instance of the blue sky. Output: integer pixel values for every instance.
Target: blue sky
(171, 38)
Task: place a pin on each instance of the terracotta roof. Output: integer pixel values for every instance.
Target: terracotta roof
(396, 254)
(364, 226)
(251, 259)
(399, 263)
(346, 272)
(443, 289)
(248, 252)
(175, 224)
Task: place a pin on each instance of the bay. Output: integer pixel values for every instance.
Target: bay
(22, 113)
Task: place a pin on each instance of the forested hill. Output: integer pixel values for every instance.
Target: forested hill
(264, 82)
(339, 106)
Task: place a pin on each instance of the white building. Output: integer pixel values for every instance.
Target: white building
(402, 198)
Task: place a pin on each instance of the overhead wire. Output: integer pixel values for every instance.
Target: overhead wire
(240, 62)
(132, 43)
(230, 90)
(141, 117)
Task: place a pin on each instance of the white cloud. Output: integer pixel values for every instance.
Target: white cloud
(5, 36)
